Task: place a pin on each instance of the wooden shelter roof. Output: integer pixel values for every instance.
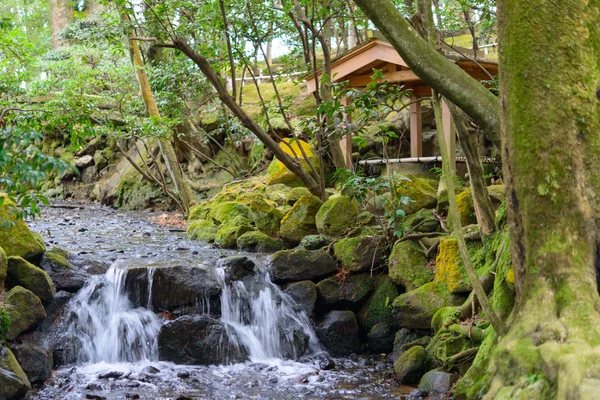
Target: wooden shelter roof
(357, 66)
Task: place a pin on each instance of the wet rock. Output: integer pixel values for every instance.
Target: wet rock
(348, 293)
(314, 242)
(362, 253)
(401, 339)
(230, 231)
(410, 367)
(407, 265)
(336, 215)
(36, 361)
(111, 375)
(378, 308)
(64, 275)
(183, 374)
(338, 332)
(174, 287)
(417, 394)
(298, 265)
(381, 338)
(197, 340)
(265, 216)
(437, 382)
(258, 242)
(23, 273)
(326, 364)
(293, 343)
(13, 381)
(415, 309)
(300, 220)
(237, 267)
(18, 240)
(304, 296)
(24, 309)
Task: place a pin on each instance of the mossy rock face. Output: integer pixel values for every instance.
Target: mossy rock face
(314, 242)
(304, 296)
(24, 310)
(497, 195)
(366, 218)
(22, 273)
(300, 220)
(278, 193)
(445, 317)
(444, 346)
(266, 218)
(420, 191)
(229, 210)
(258, 241)
(450, 269)
(378, 308)
(336, 215)
(202, 229)
(3, 267)
(199, 211)
(278, 173)
(298, 265)
(18, 240)
(415, 309)
(294, 195)
(410, 367)
(476, 381)
(466, 208)
(136, 193)
(408, 265)
(422, 221)
(347, 293)
(229, 232)
(362, 253)
(13, 381)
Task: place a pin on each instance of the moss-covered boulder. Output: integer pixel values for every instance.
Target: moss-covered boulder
(336, 215)
(378, 308)
(35, 359)
(278, 173)
(3, 267)
(300, 220)
(348, 293)
(18, 240)
(298, 265)
(259, 242)
(202, 229)
(265, 216)
(294, 195)
(415, 309)
(278, 193)
(466, 208)
(450, 269)
(199, 211)
(24, 310)
(314, 242)
(228, 210)
(421, 192)
(13, 381)
(410, 367)
(361, 253)
(229, 232)
(64, 275)
(22, 273)
(408, 265)
(445, 345)
(422, 221)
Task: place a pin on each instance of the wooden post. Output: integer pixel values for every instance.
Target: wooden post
(416, 129)
(450, 134)
(346, 141)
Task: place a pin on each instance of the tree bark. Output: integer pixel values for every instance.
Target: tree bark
(166, 147)
(248, 122)
(484, 211)
(61, 15)
(434, 69)
(551, 129)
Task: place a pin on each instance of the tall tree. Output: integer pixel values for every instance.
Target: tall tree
(550, 74)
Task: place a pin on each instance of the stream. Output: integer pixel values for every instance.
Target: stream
(117, 352)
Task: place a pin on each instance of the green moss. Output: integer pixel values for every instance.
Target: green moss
(407, 265)
(24, 310)
(410, 366)
(294, 195)
(314, 242)
(336, 215)
(199, 211)
(18, 240)
(27, 275)
(202, 229)
(19, 384)
(58, 258)
(300, 220)
(422, 221)
(379, 307)
(444, 317)
(258, 241)
(136, 193)
(266, 217)
(352, 291)
(445, 345)
(361, 253)
(466, 208)
(229, 232)
(4, 324)
(475, 383)
(228, 210)
(420, 191)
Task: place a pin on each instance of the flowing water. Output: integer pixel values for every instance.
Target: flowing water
(116, 350)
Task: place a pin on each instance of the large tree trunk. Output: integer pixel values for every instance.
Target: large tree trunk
(168, 151)
(61, 14)
(435, 69)
(549, 80)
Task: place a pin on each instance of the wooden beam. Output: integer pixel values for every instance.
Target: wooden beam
(416, 129)
(394, 77)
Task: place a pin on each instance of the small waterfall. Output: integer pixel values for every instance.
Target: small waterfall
(107, 325)
(260, 317)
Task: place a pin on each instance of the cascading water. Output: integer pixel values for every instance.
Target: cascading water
(107, 326)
